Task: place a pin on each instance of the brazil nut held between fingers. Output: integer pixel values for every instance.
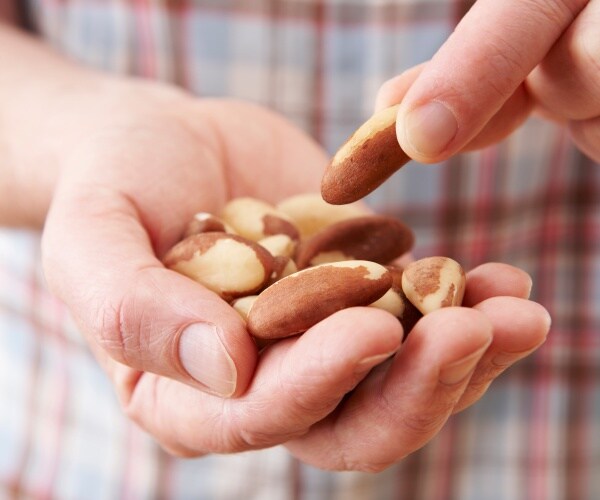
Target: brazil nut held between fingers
(369, 157)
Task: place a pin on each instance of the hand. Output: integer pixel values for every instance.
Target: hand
(183, 365)
(151, 157)
(504, 60)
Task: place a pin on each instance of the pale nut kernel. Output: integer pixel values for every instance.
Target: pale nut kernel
(410, 314)
(243, 305)
(279, 245)
(311, 213)
(434, 282)
(282, 248)
(391, 302)
(377, 238)
(295, 303)
(395, 302)
(368, 158)
(205, 222)
(255, 219)
(227, 264)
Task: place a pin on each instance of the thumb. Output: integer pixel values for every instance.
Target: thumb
(100, 262)
(477, 70)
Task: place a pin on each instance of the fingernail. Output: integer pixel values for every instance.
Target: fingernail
(204, 357)
(374, 360)
(503, 359)
(370, 362)
(459, 370)
(366, 364)
(430, 128)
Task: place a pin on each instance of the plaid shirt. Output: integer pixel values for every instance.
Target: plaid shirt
(531, 201)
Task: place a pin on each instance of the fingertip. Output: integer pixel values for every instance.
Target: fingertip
(452, 333)
(520, 325)
(392, 91)
(389, 93)
(496, 279)
(374, 330)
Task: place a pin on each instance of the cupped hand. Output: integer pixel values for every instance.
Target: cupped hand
(149, 161)
(504, 60)
(181, 360)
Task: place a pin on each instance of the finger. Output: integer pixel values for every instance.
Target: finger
(393, 90)
(494, 279)
(520, 327)
(586, 134)
(474, 73)
(99, 261)
(567, 82)
(396, 411)
(512, 113)
(122, 205)
(297, 383)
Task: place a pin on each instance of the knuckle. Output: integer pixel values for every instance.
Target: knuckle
(506, 61)
(243, 431)
(254, 439)
(313, 390)
(478, 387)
(307, 402)
(422, 426)
(556, 11)
(586, 46)
(368, 467)
(109, 331)
(471, 395)
(417, 426)
(125, 326)
(258, 438)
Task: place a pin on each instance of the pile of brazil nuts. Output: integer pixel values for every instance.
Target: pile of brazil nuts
(286, 267)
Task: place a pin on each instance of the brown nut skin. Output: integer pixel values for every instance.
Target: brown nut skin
(377, 238)
(410, 314)
(434, 282)
(227, 264)
(282, 248)
(368, 158)
(204, 222)
(282, 267)
(295, 303)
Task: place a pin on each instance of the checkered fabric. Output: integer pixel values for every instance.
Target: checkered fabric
(531, 201)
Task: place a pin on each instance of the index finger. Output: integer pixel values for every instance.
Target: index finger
(491, 52)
